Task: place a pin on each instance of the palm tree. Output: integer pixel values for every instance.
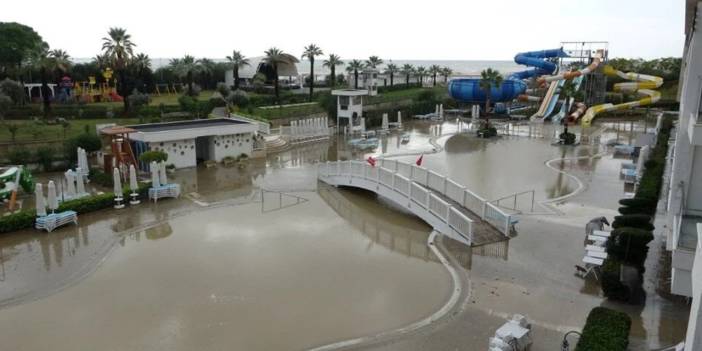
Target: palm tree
(141, 63)
(331, 63)
(47, 61)
(354, 66)
(434, 70)
(237, 61)
(569, 90)
(186, 67)
(310, 52)
(119, 48)
(274, 58)
(421, 72)
(489, 78)
(391, 69)
(374, 62)
(446, 72)
(407, 70)
(207, 66)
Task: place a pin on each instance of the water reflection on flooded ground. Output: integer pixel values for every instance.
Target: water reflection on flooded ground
(262, 249)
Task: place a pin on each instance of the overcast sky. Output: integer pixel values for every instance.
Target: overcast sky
(409, 29)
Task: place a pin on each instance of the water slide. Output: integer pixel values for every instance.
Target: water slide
(556, 119)
(468, 89)
(642, 84)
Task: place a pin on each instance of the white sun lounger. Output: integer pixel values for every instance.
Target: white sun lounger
(593, 261)
(601, 233)
(597, 254)
(598, 240)
(594, 248)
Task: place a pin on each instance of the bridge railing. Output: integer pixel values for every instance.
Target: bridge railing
(417, 183)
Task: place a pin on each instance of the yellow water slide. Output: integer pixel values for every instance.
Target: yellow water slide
(642, 84)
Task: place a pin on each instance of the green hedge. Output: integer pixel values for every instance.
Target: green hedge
(639, 205)
(88, 111)
(612, 287)
(629, 245)
(605, 330)
(642, 221)
(25, 218)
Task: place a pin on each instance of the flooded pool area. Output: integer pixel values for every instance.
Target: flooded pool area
(266, 257)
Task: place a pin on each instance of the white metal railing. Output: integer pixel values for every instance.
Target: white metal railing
(438, 207)
(419, 194)
(386, 176)
(402, 184)
(419, 185)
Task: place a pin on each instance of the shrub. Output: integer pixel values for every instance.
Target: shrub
(45, 157)
(88, 141)
(153, 155)
(136, 101)
(13, 90)
(216, 100)
(640, 205)
(629, 245)
(605, 330)
(19, 155)
(238, 98)
(99, 177)
(641, 221)
(223, 89)
(5, 104)
(567, 138)
(16, 221)
(612, 287)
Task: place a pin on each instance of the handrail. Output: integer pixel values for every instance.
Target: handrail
(419, 185)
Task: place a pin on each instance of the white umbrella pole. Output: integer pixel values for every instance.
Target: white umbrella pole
(40, 202)
(118, 188)
(133, 185)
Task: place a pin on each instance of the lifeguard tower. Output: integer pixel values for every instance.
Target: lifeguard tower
(117, 151)
(349, 109)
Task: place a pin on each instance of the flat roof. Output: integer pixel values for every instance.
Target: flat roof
(350, 92)
(180, 125)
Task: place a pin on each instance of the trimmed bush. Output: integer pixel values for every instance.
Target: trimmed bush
(612, 287)
(45, 157)
(153, 155)
(16, 221)
(605, 330)
(641, 221)
(19, 155)
(629, 245)
(641, 205)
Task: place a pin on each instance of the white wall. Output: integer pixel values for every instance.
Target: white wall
(181, 153)
(693, 341)
(231, 145)
(694, 195)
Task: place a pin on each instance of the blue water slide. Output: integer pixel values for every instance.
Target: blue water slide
(468, 90)
(537, 59)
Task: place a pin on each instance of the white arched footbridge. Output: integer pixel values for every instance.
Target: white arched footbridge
(449, 207)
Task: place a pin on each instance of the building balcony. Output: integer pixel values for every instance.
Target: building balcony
(694, 129)
(686, 244)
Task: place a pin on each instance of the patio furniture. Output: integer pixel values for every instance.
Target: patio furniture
(597, 240)
(164, 191)
(601, 233)
(595, 248)
(597, 254)
(55, 220)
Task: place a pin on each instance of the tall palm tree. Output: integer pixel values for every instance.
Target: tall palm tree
(119, 48)
(187, 67)
(353, 67)
(434, 70)
(374, 62)
(446, 72)
(47, 61)
(237, 61)
(489, 78)
(407, 70)
(141, 63)
(331, 63)
(569, 90)
(421, 72)
(276, 57)
(311, 51)
(391, 69)
(207, 66)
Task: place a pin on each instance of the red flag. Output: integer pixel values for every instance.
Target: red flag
(419, 160)
(371, 161)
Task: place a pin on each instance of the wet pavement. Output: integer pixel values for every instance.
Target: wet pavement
(264, 250)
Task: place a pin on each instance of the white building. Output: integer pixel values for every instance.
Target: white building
(349, 107)
(367, 80)
(685, 188)
(189, 142)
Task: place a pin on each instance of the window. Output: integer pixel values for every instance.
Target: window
(344, 102)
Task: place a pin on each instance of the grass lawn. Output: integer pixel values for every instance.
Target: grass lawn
(33, 131)
(404, 94)
(156, 100)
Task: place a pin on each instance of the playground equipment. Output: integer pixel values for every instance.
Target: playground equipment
(13, 176)
(120, 152)
(642, 84)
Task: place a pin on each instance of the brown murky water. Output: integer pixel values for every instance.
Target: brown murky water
(234, 264)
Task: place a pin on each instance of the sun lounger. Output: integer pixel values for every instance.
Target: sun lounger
(595, 248)
(597, 254)
(593, 260)
(591, 263)
(166, 190)
(601, 233)
(55, 220)
(598, 240)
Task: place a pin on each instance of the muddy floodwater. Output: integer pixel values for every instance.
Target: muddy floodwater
(264, 257)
